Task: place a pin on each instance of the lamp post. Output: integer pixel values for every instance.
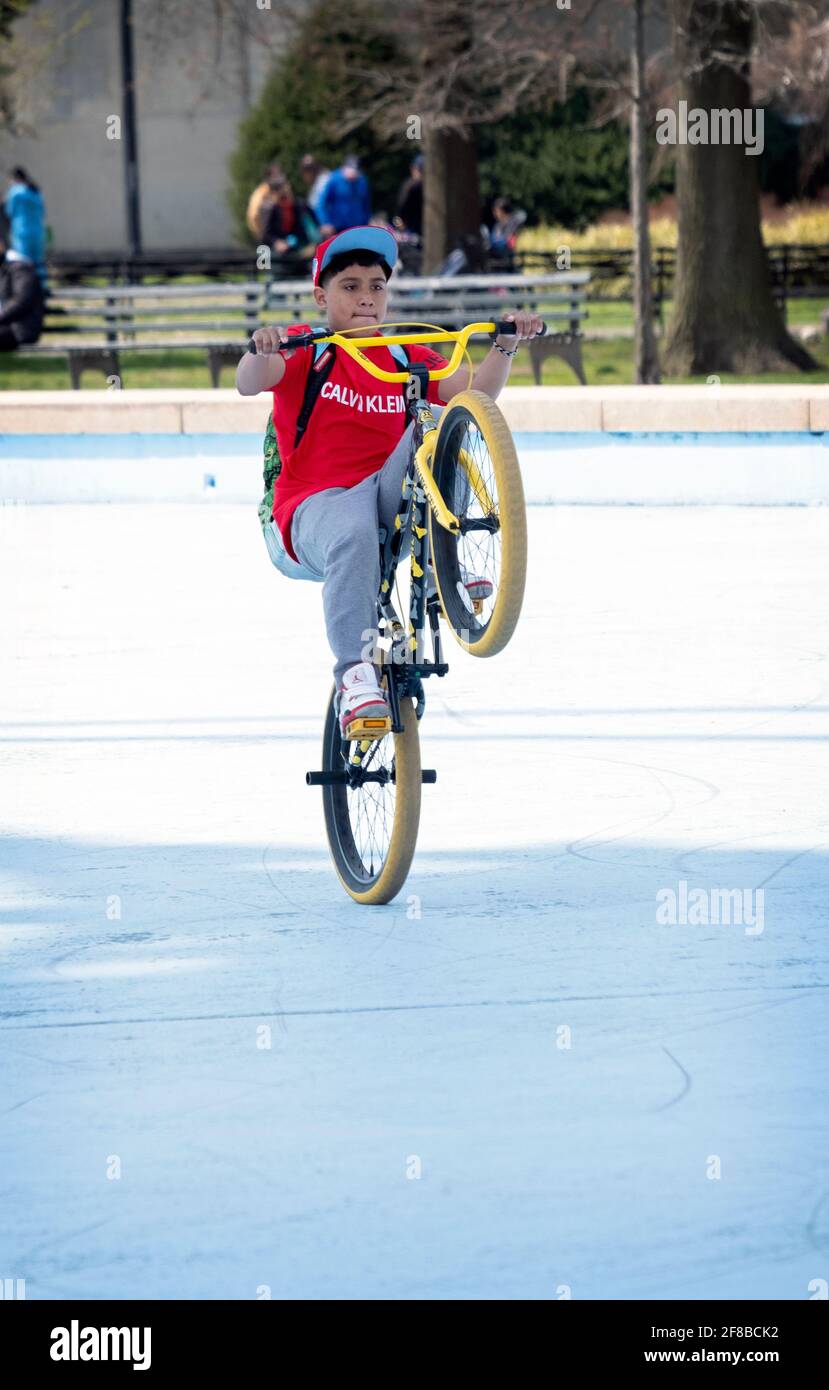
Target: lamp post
(129, 128)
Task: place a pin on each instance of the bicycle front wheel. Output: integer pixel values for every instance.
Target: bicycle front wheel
(372, 825)
(481, 572)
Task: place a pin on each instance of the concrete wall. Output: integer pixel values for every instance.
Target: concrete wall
(683, 445)
(80, 172)
(194, 83)
(533, 410)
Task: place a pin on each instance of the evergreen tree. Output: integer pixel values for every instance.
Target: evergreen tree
(316, 79)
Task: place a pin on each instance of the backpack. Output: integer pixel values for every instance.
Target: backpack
(318, 373)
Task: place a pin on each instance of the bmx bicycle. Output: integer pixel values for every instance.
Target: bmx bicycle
(462, 507)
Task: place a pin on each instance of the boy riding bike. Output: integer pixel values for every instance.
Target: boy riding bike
(345, 447)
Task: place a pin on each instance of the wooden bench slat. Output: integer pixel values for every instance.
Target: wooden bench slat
(101, 322)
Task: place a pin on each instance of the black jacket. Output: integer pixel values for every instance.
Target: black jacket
(410, 205)
(21, 300)
(304, 232)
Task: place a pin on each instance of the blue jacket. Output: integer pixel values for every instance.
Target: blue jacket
(26, 212)
(345, 202)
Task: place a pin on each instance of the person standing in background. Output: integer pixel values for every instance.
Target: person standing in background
(410, 199)
(291, 229)
(25, 209)
(21, 298)
(259, 202)
(315, 176)
(507, 221)
(346, 199)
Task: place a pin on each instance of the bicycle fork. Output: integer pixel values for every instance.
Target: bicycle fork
(406, 672)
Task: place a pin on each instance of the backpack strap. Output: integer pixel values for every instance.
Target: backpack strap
(400, 353)
(318, 373)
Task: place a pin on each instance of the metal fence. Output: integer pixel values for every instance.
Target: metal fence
(797, 271)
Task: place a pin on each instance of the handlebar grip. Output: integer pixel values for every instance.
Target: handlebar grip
(296, 340)
(507, 328)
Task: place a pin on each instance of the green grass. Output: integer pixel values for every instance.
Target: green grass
(610, 363)
(612, 314)
(179, 369)
(806, 310)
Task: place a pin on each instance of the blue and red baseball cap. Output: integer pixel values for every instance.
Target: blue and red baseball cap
(376, 239)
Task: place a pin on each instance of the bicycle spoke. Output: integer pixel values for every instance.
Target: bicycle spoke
(479, 552)
(371, 809)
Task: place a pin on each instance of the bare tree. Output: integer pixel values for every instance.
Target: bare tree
(727, 56)
(10, 10)
(468, 66)
(791, 69)
(31, 38)
(646, 360)
(725, 317)
(216, 36)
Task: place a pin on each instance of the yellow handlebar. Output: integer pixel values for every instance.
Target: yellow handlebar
(460, 337)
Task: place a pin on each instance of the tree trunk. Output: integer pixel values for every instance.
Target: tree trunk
(646, 360)
(451, 193)
(724, 315)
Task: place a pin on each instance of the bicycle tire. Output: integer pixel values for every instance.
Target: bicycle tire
(373, 883)
(490, 636)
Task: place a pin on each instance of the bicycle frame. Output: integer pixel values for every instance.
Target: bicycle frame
(407, 661)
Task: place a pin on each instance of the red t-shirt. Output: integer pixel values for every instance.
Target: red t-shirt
(355, 424)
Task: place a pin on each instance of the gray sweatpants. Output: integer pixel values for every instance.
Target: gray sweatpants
(336, 533)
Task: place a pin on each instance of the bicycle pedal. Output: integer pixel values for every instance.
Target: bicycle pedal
(370, 728)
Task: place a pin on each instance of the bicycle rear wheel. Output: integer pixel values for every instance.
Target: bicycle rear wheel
(476, 469)
(372, 826)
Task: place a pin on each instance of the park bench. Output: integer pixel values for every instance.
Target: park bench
(91, 327)
(560, 299)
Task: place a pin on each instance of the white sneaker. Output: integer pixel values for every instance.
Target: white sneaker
(363, 708)
(477, 589)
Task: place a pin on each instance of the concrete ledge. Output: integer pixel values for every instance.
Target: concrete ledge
(819, 413)
(684, 409)
(234, 414)
(89, 412)
(544, 409)
(132, 412)
(556, 409)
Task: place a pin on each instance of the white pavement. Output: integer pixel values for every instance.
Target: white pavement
(660, 717)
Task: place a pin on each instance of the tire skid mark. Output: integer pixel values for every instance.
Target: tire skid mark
(631, 827)
(817, 1240)
(19, 1104)
(685, 1087)
(357, 1010)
